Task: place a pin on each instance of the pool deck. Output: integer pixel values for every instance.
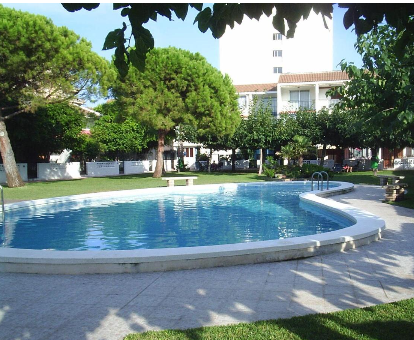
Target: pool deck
(110, 306)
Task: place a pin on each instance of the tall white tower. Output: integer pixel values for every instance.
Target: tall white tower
(255, 53)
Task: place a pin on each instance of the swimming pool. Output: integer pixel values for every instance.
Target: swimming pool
(225, 214)
(364, 229)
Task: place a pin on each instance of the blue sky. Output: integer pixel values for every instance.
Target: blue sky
(95, 25)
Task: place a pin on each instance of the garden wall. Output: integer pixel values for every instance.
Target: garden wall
(51, 171)
(22, 170)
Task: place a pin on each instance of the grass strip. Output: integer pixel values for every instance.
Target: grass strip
(382, 322)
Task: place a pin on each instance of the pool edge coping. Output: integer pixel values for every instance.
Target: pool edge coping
(367, 228)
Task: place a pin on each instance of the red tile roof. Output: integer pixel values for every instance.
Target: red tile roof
(312, 77)
(294, 78)
(256, 88)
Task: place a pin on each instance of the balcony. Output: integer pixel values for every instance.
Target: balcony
(296, 105)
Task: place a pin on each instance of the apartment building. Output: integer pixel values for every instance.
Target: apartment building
(255, 53)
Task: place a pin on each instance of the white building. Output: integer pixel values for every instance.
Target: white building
(255, 53)
(294, 91)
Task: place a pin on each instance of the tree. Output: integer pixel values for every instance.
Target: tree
(119, 134)
(385, 84)
(381, 92)
(259, 127)
(336, 128)
(178, 88)
(296, 148)
(365, 17)
(51, 129)
(41, 63)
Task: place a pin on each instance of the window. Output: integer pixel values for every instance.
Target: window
(271, 102)
(277, 36)
(300, 99)
(277, 70)
(242, 102)
(189, 152)
(277, 53)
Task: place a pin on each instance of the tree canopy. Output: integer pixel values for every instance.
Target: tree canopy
(178, 88)
(258, 129)
(118, 134)
(364, 16)
(42, 64)
(51, 129)
(381, 92)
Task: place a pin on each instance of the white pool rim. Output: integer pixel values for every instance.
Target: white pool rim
(367, 228)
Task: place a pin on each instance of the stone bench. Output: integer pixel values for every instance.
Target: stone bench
(395, 192)
(170, 180)
(384, 179)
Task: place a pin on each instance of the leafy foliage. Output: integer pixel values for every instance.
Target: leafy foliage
(364, 16)
(179, 88)
(381, 93)
(119, 135)
(42, 63)
(51, 129)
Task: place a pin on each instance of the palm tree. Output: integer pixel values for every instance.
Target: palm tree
(301, 145)
(296, 149)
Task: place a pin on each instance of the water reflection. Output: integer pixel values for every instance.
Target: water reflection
(245, 213)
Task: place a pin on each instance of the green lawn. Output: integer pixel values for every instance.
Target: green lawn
(36, 190)
(382, 322)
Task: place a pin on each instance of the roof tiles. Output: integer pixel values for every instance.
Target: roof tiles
(294, 78)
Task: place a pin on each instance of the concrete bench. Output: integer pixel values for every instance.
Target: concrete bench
(384, 179)
(395, 192)
(170, 180)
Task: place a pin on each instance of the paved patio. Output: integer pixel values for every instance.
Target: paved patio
(108, 307)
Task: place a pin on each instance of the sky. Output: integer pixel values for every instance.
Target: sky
(96, 24)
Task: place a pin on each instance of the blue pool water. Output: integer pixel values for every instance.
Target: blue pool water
(169, 219)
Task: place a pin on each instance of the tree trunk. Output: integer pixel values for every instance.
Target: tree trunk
(233, 159)
(323, 154)
(14, 179)
(300, 161)
(261, 162)
(209, 160)
(160, 154)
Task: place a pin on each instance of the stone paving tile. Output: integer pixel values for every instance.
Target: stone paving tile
(278, 287)
(32, 333)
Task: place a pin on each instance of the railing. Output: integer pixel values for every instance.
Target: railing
(295, 105)
(2, 201)
(320, 175)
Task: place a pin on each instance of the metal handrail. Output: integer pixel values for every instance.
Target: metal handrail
(320, 175)
(327, 179)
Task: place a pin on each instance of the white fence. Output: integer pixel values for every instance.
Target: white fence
(136, 167)
(241, 164)
(404, 163)
(51, 171)
(22, 170)
(102, 169)
(329, 163)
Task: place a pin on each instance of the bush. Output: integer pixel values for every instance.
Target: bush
(269, 168)
(306, 171)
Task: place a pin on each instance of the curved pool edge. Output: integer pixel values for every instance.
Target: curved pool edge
(367, 228)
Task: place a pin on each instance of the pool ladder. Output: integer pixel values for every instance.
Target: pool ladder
(320, 176)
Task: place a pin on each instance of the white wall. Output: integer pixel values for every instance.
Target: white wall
(136, 167)
(96, 169)
(246, 51)
(51, 171)
(22, 170)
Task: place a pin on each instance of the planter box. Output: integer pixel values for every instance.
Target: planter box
(22, 170)
(97, 169)
(55, 171)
